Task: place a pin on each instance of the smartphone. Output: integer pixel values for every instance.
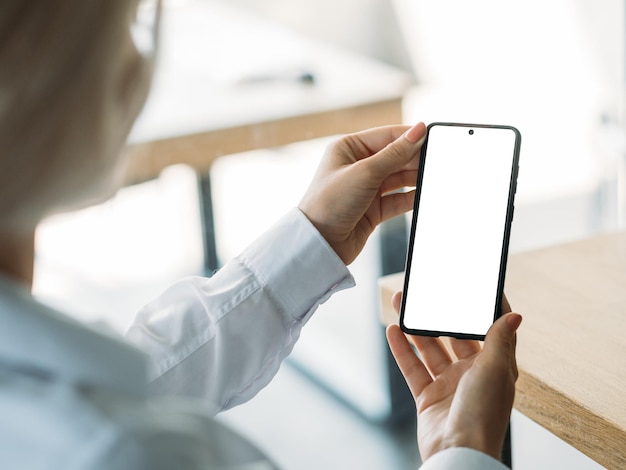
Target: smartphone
(458, 244)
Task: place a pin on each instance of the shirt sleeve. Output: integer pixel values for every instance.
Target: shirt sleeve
(164, 434)
(461, 457)
(222, 339)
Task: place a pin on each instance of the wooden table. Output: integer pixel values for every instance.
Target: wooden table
(572, 343)
(227, 81)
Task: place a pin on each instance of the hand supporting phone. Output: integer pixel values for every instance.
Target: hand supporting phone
(464, 204)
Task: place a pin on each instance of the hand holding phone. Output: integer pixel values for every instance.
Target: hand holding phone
(464, 204)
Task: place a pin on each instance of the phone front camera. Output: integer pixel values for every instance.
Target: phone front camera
(471, 132)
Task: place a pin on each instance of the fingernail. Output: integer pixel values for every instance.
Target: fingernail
(415, 133)
(514, 320)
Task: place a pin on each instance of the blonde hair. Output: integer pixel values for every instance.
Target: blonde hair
(70, 89)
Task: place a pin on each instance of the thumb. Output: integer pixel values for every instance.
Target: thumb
(399, 153)
(500, 338)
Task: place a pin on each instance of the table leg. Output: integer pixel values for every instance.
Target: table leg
(393, 247)
(211, 260)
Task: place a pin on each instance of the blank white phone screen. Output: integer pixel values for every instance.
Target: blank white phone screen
(459, 231)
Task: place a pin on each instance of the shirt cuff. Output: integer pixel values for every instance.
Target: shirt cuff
(462, 457)
(297, 263)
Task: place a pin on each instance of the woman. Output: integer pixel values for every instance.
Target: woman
(72, 83)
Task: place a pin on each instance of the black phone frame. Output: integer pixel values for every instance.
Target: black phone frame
(507, 230)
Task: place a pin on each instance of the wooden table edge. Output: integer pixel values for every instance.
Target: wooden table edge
(601, 440)
(145, 160)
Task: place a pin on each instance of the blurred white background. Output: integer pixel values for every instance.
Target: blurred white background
(553, 69)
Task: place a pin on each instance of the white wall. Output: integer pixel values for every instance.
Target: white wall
(369, 27)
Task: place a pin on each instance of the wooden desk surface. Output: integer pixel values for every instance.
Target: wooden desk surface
(572, 343)
(213, 92)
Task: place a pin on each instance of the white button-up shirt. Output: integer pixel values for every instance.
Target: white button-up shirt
(74, 397)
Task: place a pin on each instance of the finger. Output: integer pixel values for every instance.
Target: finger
(501, 335)
(401, 179)
(395, 204)
(368, 142)
(413, 370)
(513, 358)
(464, 348)
(399, 153)
(506, 307)
(393, 156)
(501, 339)
(433, 353)
(396, 300)
(514, 345)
